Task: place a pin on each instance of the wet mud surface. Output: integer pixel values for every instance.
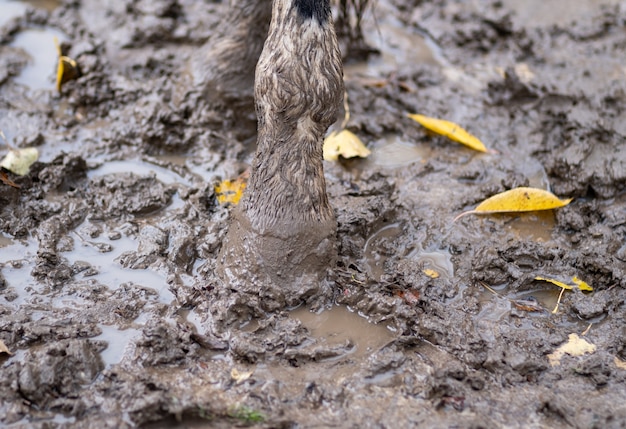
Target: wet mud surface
(109, 301)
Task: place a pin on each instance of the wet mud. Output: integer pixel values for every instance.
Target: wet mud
(110, 305)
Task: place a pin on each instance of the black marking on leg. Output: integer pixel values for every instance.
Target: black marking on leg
(309, 9)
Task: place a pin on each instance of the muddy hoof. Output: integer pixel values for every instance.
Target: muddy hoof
(271, 270)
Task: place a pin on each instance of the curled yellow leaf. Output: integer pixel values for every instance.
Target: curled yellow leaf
(230, 192)
(450, 130)
(67, 69)
(582, 285)
(519, 200)
(346, 144)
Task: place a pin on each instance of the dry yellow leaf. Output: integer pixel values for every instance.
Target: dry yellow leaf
(575, 346)
(431, 273)
(230, 192)
(555, 282)
(18, 161)
(344, 143)
(619, 363)
(519, 200)
(581, 284)
(449, 129)
(67, 69)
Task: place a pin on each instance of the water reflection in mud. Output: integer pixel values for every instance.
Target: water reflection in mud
(338, 326)
(39, 45)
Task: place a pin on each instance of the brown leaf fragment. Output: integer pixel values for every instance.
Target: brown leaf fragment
(5, 179)
(527, 305)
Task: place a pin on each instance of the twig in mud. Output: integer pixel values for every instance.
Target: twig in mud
(558, 301)
(346, 108)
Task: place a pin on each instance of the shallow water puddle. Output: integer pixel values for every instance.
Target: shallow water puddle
(339, 325)
(537, 226)
(118, 340)
(335, 328)
(394, 151)
(39, 44)
(497, 308)
(374, 254)
(110, 272)
(16, 262)
(400, 46)
(439, 262)
(12, 9)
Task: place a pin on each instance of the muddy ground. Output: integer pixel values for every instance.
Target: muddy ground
(108, 301)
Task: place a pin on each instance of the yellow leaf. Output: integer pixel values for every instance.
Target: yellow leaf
(555, 282)
(67, 69)
(344, 143)
(581, 284)
(575, 346)
(519, 200)
(619, 363)
(431, 273)
(230, 191)
(449, 129)
(18, 161)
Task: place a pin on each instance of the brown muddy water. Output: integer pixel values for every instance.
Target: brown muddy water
(109, 305)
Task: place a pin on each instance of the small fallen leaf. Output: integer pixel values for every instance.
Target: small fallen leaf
(5, 179)
(555, 282)
(239, 377)
(518, 200)
(581, 284)
(230, 192)
(449, 129)
(575, 346)
(4, 349)
(344, 143)
(67, 69)
(18, 161)
(619, 363)
(527, 305)
(431, 273)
